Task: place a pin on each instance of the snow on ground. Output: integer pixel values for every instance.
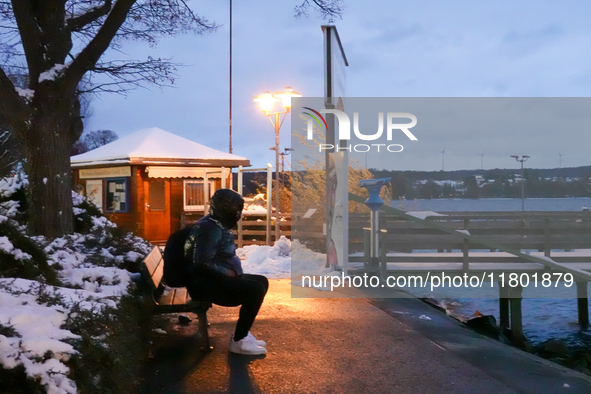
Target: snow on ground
(254, 209)
(285, 259)
(270, 261)
(276, 261)
(255, 205)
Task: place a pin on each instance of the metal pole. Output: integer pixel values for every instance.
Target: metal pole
(269, 190)
(277, 186)
(230, 114)
(375, 239)
(205, 194)
(374, 202)
(240, 237)
(283, 168)
(522, 189)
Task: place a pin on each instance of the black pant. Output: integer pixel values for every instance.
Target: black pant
(246, 290)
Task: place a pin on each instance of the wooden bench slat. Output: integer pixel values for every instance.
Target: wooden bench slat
(153, 260)
(158, 273)
(167, 296)
(180, 296)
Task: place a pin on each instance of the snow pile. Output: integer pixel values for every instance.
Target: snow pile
(270, 261)
(256, 205)
(284, 259)
(260, 198)
(254, 209)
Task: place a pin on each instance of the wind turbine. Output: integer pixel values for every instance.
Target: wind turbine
(482, 160)
(443, 159)
(559, 159)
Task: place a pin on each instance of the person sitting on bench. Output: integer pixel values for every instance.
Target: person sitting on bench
(216, 272)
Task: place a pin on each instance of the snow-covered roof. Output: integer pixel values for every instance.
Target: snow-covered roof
(155, 146)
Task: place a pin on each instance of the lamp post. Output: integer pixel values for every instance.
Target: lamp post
(522, 160)
(267, 101)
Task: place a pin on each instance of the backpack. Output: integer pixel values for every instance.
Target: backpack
(176, 266)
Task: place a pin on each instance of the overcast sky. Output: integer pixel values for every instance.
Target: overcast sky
(395, 49)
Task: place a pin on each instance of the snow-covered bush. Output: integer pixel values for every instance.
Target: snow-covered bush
(69, 312)
(22, 257)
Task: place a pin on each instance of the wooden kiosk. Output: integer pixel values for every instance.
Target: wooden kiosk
(152, 182)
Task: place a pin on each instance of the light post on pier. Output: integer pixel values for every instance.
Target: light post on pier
(267, 101)
(522, 160)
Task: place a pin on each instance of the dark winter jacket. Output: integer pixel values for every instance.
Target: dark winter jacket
(212, 248)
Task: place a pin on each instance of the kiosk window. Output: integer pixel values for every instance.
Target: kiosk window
(194, 194)
(116, 195)
(94, 192)
(157, 197)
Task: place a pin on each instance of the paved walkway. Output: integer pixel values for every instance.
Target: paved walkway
(348, 346)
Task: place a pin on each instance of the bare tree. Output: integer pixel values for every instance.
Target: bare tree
(96, 138)
(57, 44)
(328, 9)
(78, 148)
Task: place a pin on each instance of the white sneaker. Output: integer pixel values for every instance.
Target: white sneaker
(252, 338)
(257, 341)
(246, 346)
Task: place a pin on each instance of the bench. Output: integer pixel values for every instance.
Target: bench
(172, 299)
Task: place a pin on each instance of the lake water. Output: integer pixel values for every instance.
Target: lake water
(543, 318)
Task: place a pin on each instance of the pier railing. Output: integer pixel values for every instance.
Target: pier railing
(464, 232)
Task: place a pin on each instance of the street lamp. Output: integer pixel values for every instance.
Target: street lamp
(267, 101)
(521, 160)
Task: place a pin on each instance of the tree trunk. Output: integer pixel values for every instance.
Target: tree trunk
(55, 126)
